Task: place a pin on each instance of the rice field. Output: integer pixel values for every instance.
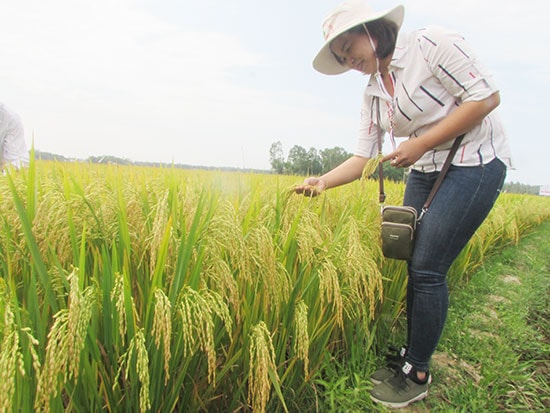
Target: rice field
(148, 289)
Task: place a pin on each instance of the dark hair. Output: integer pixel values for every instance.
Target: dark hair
(384, 31)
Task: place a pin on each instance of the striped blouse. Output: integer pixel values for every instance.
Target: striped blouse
(434, 71)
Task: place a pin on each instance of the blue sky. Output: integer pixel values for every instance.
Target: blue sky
(217, 82)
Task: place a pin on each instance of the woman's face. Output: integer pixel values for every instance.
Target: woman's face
(355, 51)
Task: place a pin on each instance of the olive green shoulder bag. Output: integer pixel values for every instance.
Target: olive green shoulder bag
(399, 222)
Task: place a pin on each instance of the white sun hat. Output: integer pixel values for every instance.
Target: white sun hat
(347, 15)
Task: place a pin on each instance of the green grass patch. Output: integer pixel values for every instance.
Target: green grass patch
(494, 355)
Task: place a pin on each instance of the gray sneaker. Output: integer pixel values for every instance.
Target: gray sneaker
(400, 390)
(391, 369)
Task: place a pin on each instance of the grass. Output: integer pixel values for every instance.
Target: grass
(494, 355)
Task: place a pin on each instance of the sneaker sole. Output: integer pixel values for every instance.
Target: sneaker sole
(394, 405)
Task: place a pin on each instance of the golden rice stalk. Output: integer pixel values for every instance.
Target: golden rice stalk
(142, 366)
(311, 237)
(361, 274)
(301, 340)
(219, 307)
(117, 295)
(371, 166)
(66, 341)
(55, 364)
(267, 268)
(10, 358)
(262, 356)
(196, 311)
(225, 235)
(161, 214)
(32, 348)
(162, 328)
(137, 346)
(218, 272)
(329, 289)
(226, 254)
(80, 313)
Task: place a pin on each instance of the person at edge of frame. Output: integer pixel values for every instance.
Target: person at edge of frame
(13, 148)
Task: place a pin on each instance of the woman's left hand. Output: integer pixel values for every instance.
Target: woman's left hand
(407, 153)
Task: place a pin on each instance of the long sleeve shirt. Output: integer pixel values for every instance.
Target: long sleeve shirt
(434, 71)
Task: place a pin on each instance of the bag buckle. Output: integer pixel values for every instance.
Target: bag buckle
(424, 210)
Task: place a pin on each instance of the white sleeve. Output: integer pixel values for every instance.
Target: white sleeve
(453, 61)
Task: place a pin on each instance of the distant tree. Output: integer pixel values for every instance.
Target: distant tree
(302, 162)
(331, 158)
(314, 166)
(314, 162)
(109, 159)
(297, 160)
(277, 157)
(50, 156)
(391, 173)
(519, 188)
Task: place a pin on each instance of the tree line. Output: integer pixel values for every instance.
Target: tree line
(519, 188)
(314, 162)
(300, 161)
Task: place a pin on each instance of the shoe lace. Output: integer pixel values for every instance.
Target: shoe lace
(399, 381)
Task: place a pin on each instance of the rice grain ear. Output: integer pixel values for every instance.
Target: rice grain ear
(66, 340)
(271, 276)
(117, 295)
(161, 220)
(196, 309)
(371, 166)
(142, 368)
(301, 340)
(162, 328)
(330, 291)
(226, 265)
(262, 356)
(55, 362)
(137, 348)
(10, 357)
(360, 274)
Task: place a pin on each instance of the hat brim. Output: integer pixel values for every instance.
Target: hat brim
(325, 61)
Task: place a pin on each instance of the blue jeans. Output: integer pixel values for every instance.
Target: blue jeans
(463, 201)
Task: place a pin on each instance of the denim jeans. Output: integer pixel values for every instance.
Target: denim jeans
(463, 201)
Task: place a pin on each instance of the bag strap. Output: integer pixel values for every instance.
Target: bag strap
(382, 193)
(441, 175)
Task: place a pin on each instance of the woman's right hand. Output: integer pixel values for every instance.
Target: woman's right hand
(311, 187)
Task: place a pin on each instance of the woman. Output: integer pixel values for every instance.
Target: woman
(428, 86)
